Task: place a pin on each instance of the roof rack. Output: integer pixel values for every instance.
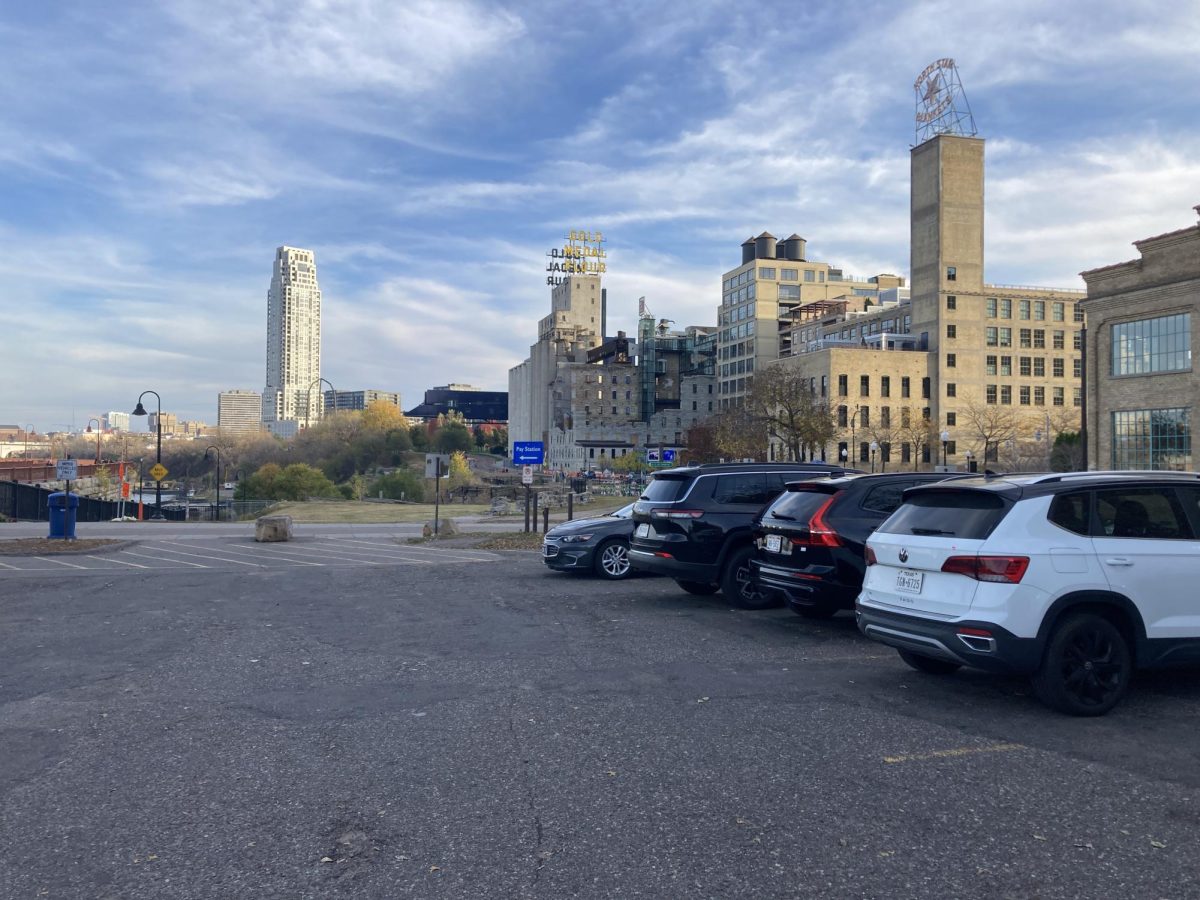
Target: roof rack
(1123, 473)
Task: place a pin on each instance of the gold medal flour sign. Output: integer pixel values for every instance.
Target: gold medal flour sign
(581, 254)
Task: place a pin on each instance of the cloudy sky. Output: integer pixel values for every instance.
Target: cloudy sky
(153, 154)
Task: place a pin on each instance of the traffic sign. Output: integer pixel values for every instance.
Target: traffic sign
(67, 470)
(526, 474)
(528, 453)
(432, 461)
(158, 471)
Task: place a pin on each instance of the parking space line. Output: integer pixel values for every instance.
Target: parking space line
(391, 554)
(258, 553)
(7, 566)
(167, 549)
(182, 562)
(956, 752)
(432, 551)
(120, 562)
(59, 562)
(329, 554)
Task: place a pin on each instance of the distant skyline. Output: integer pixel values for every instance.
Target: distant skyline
(430, 153)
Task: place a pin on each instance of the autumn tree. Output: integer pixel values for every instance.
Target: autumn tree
(701, 444)
(739, 434)
(785, 406)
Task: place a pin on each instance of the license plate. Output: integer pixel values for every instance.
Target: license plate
(774, 542)
(909, 582)
(643, 530)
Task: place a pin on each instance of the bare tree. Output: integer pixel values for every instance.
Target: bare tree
(916, 430)
(739, 434)
(701, 444)
(991, 428)
(788, 410)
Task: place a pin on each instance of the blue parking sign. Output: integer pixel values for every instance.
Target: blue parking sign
(528, 453)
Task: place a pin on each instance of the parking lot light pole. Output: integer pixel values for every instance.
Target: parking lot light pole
(89, 431)
(140, 410)
(945, 440)
(217, 514)
(874, 447)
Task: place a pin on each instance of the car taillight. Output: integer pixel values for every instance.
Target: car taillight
(820, 534)
(1004, 569)
(870, 557)
(676, 513)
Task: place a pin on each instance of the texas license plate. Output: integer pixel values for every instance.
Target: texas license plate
(643, 530)
(909, 582)
(774, 542)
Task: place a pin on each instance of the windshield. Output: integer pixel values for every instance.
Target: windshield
(665, 490)
(798, 505)
(625, 512)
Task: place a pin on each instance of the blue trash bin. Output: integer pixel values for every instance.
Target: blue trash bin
(63, 510)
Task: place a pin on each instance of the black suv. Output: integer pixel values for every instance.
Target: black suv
(694, 524)
(810, 541)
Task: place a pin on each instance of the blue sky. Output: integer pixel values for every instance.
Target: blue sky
(154, 154)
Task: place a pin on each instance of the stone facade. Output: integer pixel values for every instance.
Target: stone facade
(1137, 373)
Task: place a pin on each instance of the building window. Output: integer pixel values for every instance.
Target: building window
(951, 330)
(1056, 311)
(1039, 310)
(951, 273)
(864, 417)
(1058, 397)
(904, 386)
(1077, 340)
(950, 360)
(951, 448)
(789, 275)
(768, 274)
(1039, 396)
(843, 385)
(925, 388)
(993, 336)
(951, 302)
(1058, 342)
(824, 384)
(1026, 366)
(990, 393)
(1152, 439)
(885, 417)
(1155, 345)
(905, 417)
(1006, 394)
(1006, 366)
(1023, 309)
(1026, 338)
(843, 418)
(951, 419)
(1076, 313)
(1056, 367)
(864, 385)
(990, 366)
(1023, 394)
(1005, 337)
(951, 389)
(1039, 367)
(991, 307)
(885, 386)
(1039, 339)
(1077, 368)
(905, 453)
(1006, 308)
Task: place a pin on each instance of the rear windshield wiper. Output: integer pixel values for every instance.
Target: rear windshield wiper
(931, 531)
(775, 515)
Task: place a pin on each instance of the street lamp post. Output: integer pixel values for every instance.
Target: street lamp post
(25, 453)
(970, 461)
(217, 515)
(140, 410)
(945, 440)
(874, 447)
(845, 453)
(308, 397)
(89, 431)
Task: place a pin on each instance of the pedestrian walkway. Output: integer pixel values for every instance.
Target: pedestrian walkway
(225, 554)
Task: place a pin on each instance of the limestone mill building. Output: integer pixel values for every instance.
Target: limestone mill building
(951, 370)
(591, 398)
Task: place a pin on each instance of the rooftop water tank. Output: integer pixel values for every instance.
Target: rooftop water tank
(764, 246)
(793, 248)
(747, 250)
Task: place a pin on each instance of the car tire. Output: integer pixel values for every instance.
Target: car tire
(928, 664)
(612, 560)
(1086, 667)
(737, 587)
(816, 612)
(700, 588)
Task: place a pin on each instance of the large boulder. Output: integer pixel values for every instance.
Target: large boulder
(273, 528)
(446, 528)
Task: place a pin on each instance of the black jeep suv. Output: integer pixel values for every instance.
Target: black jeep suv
(811, 539)
(694, 524)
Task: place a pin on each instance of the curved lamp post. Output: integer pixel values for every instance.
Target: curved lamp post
(140, 410)
(308, 397)
(217, 514)
(89, 431)
(945, 440)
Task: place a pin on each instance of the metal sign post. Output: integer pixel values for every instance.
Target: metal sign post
(437, 494)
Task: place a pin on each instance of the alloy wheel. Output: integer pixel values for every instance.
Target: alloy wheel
(1092, 667)
(615, 560)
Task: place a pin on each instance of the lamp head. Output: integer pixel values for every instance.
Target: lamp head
(945, 436)
(139, 410)
(89, 429)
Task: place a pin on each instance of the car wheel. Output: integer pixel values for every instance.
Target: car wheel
(1087, 667)
(816, 612)
(928, 664)
(701, 588)
(612, 560)
(739, 589)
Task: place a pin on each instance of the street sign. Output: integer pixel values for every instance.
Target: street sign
(528, 453)
(431, 461)
(526, 474)
(67, 470)
(668, 456)
(158, 471)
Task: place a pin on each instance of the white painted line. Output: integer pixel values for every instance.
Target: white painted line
(60, 562)
(167, 549)
(445, 554)
(118, 561)
(326, 553)
(7, 566)
(183, 562)
(255, 553)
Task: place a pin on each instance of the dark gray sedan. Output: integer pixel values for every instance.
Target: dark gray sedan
(599, 545)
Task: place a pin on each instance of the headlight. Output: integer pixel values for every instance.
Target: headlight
(576, 538)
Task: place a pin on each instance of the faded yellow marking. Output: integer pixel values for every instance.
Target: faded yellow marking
(950, 754)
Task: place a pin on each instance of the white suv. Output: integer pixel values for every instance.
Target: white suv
(1076, 579)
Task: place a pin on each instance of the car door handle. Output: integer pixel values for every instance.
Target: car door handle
(1118, 561)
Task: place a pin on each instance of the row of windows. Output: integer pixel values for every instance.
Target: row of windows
(737, 331)
(1002, 307)
(850, 332)
(861, 418)
(885, 386)
(1030, 366)
(1027, 338)
(741, 367)
(1030, 396)
(1147, 346)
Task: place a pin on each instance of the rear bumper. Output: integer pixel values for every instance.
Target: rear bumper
(652, 561)
(804, 588)
(1002, 652)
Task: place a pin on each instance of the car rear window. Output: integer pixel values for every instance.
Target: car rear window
(799, 505)
(962, 514)
(665, 490)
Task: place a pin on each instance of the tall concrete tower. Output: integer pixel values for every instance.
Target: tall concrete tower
(293, 392)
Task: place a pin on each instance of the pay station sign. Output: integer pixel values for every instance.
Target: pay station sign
(67, 470)
(528, 453)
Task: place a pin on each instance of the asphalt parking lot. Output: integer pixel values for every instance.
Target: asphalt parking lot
(485, 728)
